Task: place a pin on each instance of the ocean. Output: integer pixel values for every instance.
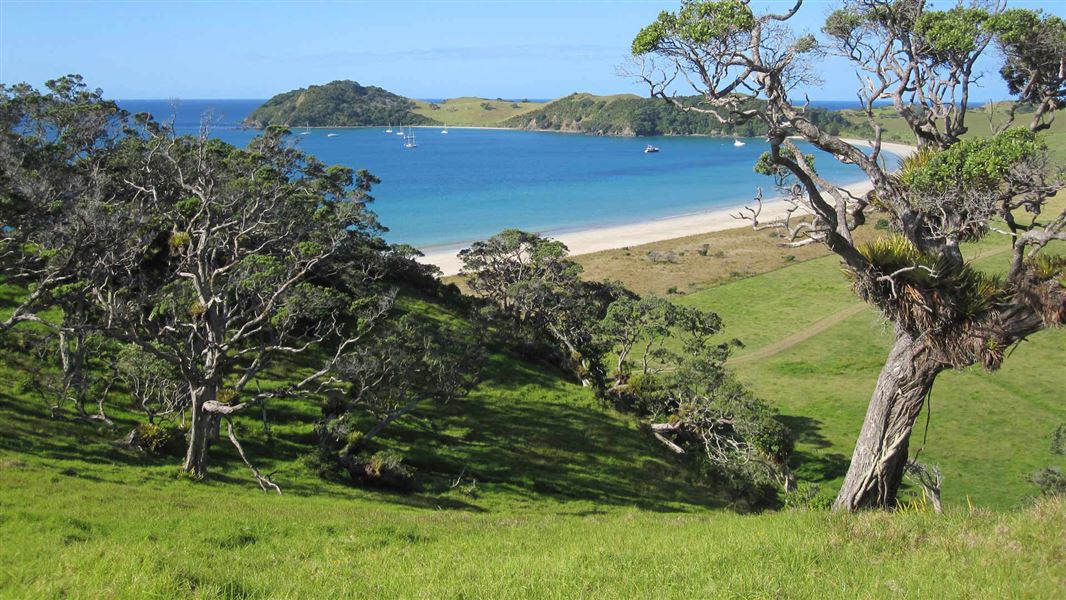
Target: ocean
(469, 184)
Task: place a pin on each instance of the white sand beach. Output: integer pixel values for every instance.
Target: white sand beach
(635, 234)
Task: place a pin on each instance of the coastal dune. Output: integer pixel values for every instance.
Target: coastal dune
(634, 234)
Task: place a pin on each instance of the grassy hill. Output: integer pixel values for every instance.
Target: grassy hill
(469, 111)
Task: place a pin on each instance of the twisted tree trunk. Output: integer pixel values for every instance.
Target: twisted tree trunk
(201, 427)
(880, 456)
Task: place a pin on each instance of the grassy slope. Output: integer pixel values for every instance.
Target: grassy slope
(71, 536)
(469, 112)
(987, 431)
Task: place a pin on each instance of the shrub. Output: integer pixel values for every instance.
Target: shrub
(881, 224)
(662, 256)
(153, 438)
(703, 249)
(807, 496)
(1051, 481)
(385, 468)
(1058, 440)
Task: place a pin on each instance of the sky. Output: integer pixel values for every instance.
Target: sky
(426, 49)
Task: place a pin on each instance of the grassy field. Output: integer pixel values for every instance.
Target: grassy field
(474, 112)
(71, 535)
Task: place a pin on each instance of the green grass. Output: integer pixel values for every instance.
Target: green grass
(987, 431)
(471, 112)
(980, 122)
(70, 535)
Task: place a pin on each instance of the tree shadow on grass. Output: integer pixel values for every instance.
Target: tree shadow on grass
(527, 432)
(817, 465)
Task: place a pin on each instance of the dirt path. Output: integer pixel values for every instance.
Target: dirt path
(821, 325)
(800, 336)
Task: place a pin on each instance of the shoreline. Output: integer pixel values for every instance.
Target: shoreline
(597, 239)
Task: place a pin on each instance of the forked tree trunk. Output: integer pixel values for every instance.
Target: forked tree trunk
(880, 455)
(201, 427)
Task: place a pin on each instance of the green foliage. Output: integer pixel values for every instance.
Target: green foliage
(154, 438)
(698, 22)
(385, 468)
(977, 164)
(1046, 267)
(842, 23)
(927, 294)
(765, 165)
(631, 115)
(1033, 45)
(338, 104)
(537, 297)
(955, 31)
(807, 496)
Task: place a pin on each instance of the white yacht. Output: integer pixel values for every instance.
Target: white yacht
(445, 130)
(738, 143)
(649, 149)
(409, 140)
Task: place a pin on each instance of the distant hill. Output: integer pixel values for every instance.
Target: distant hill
(338, 104)
(474, 112)
(628, 114)
(348, 104)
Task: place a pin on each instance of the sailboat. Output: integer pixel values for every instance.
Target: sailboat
(738, 143)
(409, 140)
(445, 130)
(389, 130)
(306, 131)
(331, 135)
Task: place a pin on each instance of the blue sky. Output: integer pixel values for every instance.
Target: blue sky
(428, 49)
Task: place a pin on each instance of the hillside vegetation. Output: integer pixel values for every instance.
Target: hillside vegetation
(337, 104)
(628, 114)
(469, 111)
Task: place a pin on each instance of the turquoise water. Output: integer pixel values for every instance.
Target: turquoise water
(469, 184)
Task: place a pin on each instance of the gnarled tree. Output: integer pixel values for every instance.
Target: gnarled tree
(230, 259)
(945, 314)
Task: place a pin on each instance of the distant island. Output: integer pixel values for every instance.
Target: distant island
(338, 104)
(349, 104)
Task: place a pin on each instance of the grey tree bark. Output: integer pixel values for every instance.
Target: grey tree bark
(201, 426)
(880, 456)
